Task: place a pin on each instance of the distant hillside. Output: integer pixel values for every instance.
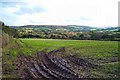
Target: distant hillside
(111, 29)
(75, 28)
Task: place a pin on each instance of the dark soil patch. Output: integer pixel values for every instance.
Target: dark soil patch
(49, 66)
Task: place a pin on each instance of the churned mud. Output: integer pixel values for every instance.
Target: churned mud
(50, 66)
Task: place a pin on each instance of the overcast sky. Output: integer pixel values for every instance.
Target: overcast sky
(95, 13)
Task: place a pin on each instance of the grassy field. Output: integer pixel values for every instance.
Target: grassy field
(103, 50)
(97, 50)
(89, 48)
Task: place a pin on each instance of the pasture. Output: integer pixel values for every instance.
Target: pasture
(88, 48)
(104, 53)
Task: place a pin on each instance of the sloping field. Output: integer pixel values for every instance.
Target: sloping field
(62, 59)
(104, 53)
(81, 47)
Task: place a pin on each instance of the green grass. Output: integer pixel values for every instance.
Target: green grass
(108, 70)
(111, 68)
(103, 50)
(84, 48)
(9, 55)
(97, 49)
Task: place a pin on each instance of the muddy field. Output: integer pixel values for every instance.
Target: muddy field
(53, 65)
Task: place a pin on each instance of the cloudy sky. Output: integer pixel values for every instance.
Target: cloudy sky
(96, 13)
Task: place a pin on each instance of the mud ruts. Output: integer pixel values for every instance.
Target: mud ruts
(49, 66)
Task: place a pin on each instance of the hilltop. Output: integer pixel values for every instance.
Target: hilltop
(57, 27)
(74, 28)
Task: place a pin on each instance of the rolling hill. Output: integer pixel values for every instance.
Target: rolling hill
(74, 28)
(56, 27)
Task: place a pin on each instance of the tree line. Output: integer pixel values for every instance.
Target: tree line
(91, 35)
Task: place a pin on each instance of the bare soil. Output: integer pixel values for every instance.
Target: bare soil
(49, 66)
